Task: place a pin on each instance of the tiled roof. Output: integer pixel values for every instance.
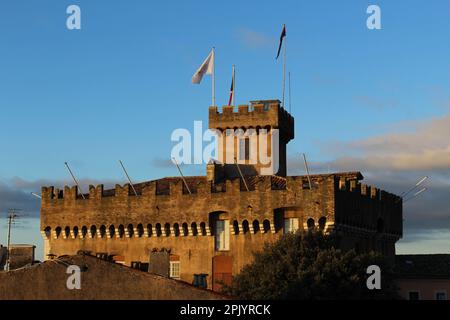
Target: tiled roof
(423, 266)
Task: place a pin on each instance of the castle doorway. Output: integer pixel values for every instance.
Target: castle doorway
(222, 271)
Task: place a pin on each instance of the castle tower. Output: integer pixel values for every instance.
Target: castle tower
(255, 137)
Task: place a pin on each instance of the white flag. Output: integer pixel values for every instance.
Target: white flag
(207, 67)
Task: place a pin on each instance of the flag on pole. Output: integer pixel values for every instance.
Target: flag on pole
(231, 89)
(283, 34)
(207, 67)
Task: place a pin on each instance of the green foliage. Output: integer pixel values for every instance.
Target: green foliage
(308, 266)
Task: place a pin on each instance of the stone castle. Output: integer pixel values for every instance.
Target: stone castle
(207, 227)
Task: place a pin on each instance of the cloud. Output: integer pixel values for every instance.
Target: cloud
(426, 146)
(254, 39)
(376, 103)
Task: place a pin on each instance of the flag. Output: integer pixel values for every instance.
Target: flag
(283, 34)
(207, 67)
(231, 89)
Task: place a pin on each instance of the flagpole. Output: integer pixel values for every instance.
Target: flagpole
(289, 90)
(234, 85)
(284, 69)
(214, 79)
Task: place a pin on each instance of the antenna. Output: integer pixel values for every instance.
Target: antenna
(240, 173)
(307, 171)
(290, 101)
(404, 194)
(74, 179)
(12, 215)
(128, 177)
(182, 177)
(416, 194)
(36, 195)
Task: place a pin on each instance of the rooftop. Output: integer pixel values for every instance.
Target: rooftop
(428, 266)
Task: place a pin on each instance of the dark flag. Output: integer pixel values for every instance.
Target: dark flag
(283, 34)
(231, 89)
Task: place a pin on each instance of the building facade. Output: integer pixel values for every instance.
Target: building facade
(210, 225)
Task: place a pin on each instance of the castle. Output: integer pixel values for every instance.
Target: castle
(207, 227)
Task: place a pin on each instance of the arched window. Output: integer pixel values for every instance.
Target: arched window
(67, 232)
(256, 226)
(121, 231)
(130, 230)
(185, 229)
(310, 224)
(84, 231)
(266, 226)
(380, 225)
(236, 227)
(176, 229)
(112, 231)
(93, 231)
(158, 230)
(150, 230)
(48, 232)
(75, 232)
(102, 231)
(245, 227)
(194, 229)
(140, 230)
(167, 229)
(322, 223)
(203, 228)
(58, 231)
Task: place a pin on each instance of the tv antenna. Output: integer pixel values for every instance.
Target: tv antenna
(13, 214)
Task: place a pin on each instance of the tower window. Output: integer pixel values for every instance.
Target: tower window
(244, 149)
(290, 225)
(222, 235)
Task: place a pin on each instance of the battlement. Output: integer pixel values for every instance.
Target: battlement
(366, 191)
(263, 114)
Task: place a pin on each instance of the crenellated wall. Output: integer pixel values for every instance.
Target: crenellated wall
(165, 215)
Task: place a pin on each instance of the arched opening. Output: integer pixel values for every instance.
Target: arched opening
(75, 232)
(310, 224)
(150, 230)
(256, 226)
(58, 231)
(185, 229)
(158, 230)
(130, 230)
(236, 227)
(322, 223)
(93, 231)
(380, 225)
(140, 230)
(167, 229)
(266, 226)
(112, 231)
(102, 231)
(194, 229)
(121, 231)
(48, 232)
(176, 229)
(84, 231)
(67, 232)
(203, 228)
(245, 227)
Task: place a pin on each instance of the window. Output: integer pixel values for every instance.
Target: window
(175, 269)
(290, 225)
(414, 295)
(441, 295)
(244, 149)
(223, 235)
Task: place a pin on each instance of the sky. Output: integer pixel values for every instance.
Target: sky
(377, 101)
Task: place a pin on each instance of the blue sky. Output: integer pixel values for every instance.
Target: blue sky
(117, 88)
